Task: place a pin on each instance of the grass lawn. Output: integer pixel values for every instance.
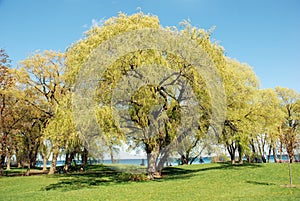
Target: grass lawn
(196, 182)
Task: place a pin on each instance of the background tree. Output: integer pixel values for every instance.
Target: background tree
(241, 85)
(269, 118)
(42, 76)
(11, 110)
(289, 101)
(6, 104)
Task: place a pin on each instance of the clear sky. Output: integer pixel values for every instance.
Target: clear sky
(263, 33)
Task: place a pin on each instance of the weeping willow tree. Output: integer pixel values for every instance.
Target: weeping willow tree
(241, 86)
(152, 96)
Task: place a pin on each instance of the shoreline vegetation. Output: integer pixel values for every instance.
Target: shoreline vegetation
(213, 181)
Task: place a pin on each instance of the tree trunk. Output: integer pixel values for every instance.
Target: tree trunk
(274, 154)
(163, 158)
(232, 157)
(291, 159)
(111, 155)
(184, 160)
(33, 157)
(259, 148)
(45, 159)
(84, 157)
(2, 160)
(290, 150)
(269, 154)
(253, 151)
(231, 150)
(241, 154)
(280, 151)
(54, 161)
(28, 169)
(8, 162)
(290, 174)
(152, 158)
(69, 159)
(67, 162)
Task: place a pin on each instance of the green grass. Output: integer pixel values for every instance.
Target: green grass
(196, 182)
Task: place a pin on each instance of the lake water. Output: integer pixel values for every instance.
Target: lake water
(173, 162)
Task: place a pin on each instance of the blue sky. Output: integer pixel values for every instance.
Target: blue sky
(263, 33)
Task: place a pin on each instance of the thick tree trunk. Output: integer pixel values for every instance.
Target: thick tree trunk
(69, 159)
(54, 161)
(231, 150)
(290, 150)
(163, 159)
(184, 159)
(232, 158)
(152, 158)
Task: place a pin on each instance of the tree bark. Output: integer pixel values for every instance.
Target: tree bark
(69, 159)
(151, 159)
(67, 162)
(274, 155)
(54, 161)
(231, 149)
(111, 155)
(241, 154)
(184, 159)
(8, 162)
(280, 151)
(2, 160)
(28, 169)
(84, 157)
(269, 154)
(45, 159)
(253, 155)
(290, 174)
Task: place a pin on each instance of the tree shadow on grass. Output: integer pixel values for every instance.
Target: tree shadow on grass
(180, 172)
(260, 183)
(99, 176)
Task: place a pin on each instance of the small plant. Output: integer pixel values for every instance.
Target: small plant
(219, 158)
(131, 177)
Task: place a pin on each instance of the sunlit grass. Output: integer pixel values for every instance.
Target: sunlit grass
(196, 182)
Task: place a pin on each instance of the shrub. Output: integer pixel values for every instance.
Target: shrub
(131, 177)
(219, 158)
